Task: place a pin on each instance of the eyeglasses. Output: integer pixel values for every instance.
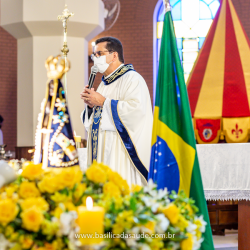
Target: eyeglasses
(99, 53)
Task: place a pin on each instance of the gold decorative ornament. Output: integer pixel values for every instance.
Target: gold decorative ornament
(66, 15)
(65, 50)
(56, 67)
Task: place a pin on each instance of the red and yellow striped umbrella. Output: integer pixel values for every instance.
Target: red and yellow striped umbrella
(219, 86)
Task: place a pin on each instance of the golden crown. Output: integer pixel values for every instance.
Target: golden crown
(56, 67)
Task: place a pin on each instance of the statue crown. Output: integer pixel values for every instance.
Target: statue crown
(56, 67)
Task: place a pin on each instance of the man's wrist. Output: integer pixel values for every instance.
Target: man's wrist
(103, 102)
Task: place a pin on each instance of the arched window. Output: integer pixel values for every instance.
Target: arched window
(192, 20)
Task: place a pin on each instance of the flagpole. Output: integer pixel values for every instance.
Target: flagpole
(65, 50)
(167, 5)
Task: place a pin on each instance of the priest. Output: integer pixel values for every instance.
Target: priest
(118, 116)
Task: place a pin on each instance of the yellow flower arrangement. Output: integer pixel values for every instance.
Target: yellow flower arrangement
(68, 177)
(28, 189)
(199, 225)
(187, 244)
(125, 219)
(26, 241)
(32, 219)
(66, 206)
(106, 202)
(96, 173)
(57, 212)
(3, 196)
(124, 187)
(55, 245)
(182, 223)
(38, 202)
(118, 202)
(172, 212)
(10, 191)
(190, 210)
(9, 230)
(69, 206)
(17, 246)
(59, 198)
(49, 227)
(117, 228)
(103, 166)
(136, 188)
(14, 237)
(49, 246)
(112, 190)
(150, 225)
(48, 202)
(8, 211)
(80, 189)
(156, 244)
(32, 171)
(119, 181)
(49, 184)
(114, 177)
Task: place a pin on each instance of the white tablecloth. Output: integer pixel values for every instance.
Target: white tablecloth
(225, 170)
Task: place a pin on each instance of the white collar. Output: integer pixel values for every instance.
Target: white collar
(114, 71)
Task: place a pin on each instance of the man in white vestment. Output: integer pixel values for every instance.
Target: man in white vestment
(118, 116)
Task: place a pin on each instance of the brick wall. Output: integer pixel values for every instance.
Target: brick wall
(8, 88)
(242, 8)
(134, 28)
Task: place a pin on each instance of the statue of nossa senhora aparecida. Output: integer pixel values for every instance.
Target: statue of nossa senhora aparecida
(54, 141)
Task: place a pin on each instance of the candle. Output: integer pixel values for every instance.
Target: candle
(77, 140)
(77, 137)
(91, 223)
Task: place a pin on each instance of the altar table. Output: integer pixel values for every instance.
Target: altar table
(225, 170)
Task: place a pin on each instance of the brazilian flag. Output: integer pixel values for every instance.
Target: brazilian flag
(174, 163)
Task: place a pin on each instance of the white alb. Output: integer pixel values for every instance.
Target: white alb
(135, 112)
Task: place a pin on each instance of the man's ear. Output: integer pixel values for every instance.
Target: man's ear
(116, 57)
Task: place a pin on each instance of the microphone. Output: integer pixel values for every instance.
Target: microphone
(94, 70)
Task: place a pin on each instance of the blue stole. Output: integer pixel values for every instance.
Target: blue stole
(127, 141)
(98, 111)
(95, 131)
(121, 129)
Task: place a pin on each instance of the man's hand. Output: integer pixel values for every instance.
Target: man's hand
(85, 99)
(92, 98)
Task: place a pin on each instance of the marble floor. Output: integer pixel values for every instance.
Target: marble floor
(227, 242)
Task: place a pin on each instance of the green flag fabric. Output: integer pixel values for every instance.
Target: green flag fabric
(174, 163)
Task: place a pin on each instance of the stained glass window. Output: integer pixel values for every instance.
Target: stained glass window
(192, 20)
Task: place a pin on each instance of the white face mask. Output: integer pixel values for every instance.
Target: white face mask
(101, 63)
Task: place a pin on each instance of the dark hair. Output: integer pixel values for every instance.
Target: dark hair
(1, 119)
(113, 44)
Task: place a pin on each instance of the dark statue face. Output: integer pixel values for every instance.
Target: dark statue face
(51, 88)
